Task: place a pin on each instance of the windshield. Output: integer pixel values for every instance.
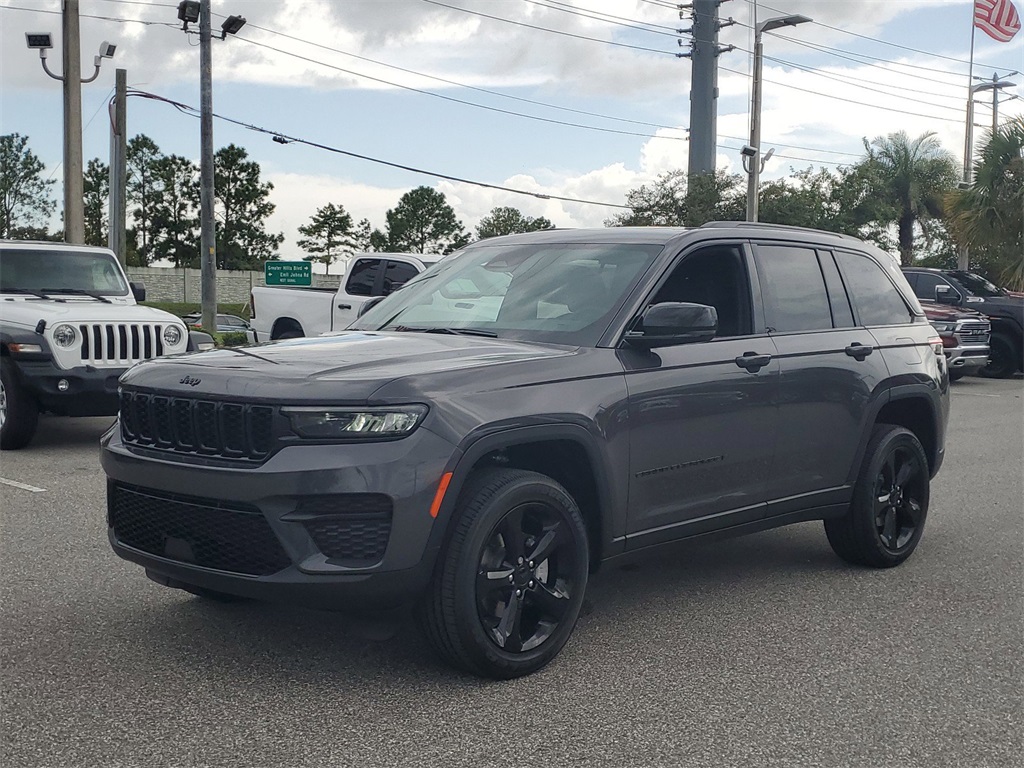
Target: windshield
(57, 271)
(977, 284)
(564, 293)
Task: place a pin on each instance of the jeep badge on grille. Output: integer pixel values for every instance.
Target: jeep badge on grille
(190, 380)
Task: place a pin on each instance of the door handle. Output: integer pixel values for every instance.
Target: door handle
(344, 306)
(752, 361)
(859, 351)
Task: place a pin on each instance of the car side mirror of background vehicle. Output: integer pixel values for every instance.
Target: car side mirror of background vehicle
(199, 342)
(138, 290)
(944, 294)
(367, 306)
(672, 323)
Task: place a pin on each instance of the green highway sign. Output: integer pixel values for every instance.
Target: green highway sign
(288, 273)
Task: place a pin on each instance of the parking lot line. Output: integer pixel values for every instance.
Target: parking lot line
(23, 487)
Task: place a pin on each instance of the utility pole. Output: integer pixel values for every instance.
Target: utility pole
(119, 169)
(704, 52)
(208, 254)
(74, 199)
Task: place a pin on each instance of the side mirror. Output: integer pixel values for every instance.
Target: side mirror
(672, 323)
(367, 306)
(944, 294)
(199, 342)
(138, 290)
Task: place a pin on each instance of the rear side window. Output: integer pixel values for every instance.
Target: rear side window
(362, 276)
(874, 296)
(842, 314)
(793, 289)
(397, 274)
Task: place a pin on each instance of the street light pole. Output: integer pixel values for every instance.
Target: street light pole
(74, 199)
(752, 158)
(208, 243)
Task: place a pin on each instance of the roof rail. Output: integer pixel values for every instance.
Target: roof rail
(765, 225)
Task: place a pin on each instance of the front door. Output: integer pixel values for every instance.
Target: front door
(702, 416)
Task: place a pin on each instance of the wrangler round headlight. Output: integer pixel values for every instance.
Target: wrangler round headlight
(329, 422)
(172, 335)
(65, 336)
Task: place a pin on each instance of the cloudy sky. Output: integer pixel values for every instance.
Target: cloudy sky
(577, 98)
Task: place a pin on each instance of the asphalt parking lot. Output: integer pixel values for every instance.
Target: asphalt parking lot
(761, 651)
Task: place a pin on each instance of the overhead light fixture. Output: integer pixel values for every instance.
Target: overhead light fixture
(231, 26)
(107, 50)
(188, 12)
(40, 40)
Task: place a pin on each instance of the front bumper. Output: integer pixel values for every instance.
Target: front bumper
(967, 357)
(284, 500)
(89, 391)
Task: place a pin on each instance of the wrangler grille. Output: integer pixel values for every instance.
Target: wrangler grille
(121, 344)
(203, 532)
(194, 427)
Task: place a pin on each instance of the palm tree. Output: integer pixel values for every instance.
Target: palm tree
(988, 216)
(912, 176)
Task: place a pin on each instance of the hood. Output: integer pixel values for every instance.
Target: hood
(346, 367)
(28, 312)
(948, 314)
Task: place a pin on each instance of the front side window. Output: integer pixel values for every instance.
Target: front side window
(716, 277)
(793, 289)
(925, 285)
(874, 295)
(557, 292)
(362, 276)
(56, 271)
(397, 274)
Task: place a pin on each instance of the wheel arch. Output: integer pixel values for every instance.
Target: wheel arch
(283, 324)
(567, 453)
(913, 408)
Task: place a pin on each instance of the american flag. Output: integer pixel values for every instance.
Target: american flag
(997, 18)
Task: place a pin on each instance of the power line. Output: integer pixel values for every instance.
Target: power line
(621, 21)
(548, 29)
(286, 139)
(465, 85)
(874, 39)
(91, 16)
(456, 100)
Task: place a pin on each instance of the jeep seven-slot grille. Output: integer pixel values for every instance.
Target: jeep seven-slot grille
(203, 532)
(121, 344)
(190, 426)
(349, 527)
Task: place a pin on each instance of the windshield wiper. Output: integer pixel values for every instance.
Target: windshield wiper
(452, 331)
(79, 292)
(28, 291)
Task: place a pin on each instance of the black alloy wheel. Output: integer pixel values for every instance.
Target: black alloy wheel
(1002, 359)
(898, 492)
(509, 584)
(886, 517)
(526, 577)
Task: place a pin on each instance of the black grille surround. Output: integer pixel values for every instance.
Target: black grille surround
(198, 427)
(205, 532)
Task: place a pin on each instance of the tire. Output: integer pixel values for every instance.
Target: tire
(213, 595)
(956, 375)
(19, 413)
(886, 518)
(1003, 359)
(503, 517)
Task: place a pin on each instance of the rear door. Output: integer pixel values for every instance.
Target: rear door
(829, 369)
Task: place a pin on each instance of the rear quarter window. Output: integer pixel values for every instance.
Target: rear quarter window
(875, 296)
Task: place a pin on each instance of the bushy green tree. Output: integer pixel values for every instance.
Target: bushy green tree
(505, 220)
(422, 222)
(142, 192)
(175, 215)
(96, 191)
(672, 200)
(243, 206)
(25, 203)
(329, 235)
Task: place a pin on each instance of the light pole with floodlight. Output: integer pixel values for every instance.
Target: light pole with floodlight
(753, 163)
(71, 77)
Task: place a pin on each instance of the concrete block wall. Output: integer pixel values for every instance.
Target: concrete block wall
(184, 285)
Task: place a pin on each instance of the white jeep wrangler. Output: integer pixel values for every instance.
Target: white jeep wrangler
(69, 327)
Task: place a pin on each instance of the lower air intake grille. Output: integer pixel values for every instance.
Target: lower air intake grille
(201, 532)
(350, 527)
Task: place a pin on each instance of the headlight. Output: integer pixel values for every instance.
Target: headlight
(944, 327)
(347, 423)
(65, 336)
(172, 335)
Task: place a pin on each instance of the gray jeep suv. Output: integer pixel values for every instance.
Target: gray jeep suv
(480, 441)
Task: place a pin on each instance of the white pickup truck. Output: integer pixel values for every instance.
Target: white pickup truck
(69, 327)
(289, 313)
